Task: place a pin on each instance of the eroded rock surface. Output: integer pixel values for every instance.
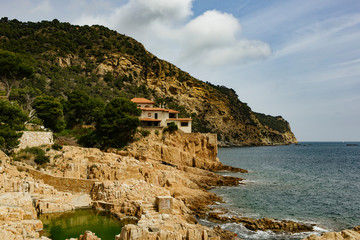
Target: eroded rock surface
(178, 168)
(88, 235)
(343, 235)
(22, 197)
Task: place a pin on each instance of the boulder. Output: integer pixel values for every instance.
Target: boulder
(343, 235)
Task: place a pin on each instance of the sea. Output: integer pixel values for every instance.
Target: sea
(311, 182)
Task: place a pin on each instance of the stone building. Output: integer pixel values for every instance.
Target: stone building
(158, 117)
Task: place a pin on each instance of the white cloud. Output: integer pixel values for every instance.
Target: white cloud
(213, 39)
(165, 28)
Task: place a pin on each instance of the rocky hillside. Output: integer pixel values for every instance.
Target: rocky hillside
(106, 64)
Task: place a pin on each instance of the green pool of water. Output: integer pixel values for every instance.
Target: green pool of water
(60, 226)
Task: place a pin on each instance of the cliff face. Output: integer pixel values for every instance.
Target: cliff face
(214, 109)
(107, 64)
(181, 150)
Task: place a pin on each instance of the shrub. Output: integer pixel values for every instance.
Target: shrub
(144, 133)
(35, 153)
(34, 150)
(172, 127)
(41, 159)
(56, 146)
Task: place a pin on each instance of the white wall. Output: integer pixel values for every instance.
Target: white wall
(178, 123)
(35, 139)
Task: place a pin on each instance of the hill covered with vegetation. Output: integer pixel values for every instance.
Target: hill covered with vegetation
(102, 64)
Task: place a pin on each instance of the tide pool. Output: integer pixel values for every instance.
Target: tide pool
(60, 226)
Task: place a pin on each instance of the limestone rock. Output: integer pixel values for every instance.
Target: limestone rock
(3, 156)
(182, 149)
(133, 232)
(89, 236)
(343, 235)
(127, 184)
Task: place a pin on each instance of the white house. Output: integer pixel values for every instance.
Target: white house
(156, 117)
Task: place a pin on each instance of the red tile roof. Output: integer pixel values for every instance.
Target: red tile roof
(142, 100)
(159, 109)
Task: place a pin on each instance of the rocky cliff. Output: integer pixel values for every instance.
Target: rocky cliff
(181, 149)
(107, 64)
(160, 180)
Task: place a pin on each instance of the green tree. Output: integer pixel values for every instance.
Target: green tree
(50, 110)
(12, 120)
(24, 96)
(13, 68)
(82, 109)
(118, 124)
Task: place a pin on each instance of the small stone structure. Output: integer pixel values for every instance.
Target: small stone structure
(35, 139)
(164, 204)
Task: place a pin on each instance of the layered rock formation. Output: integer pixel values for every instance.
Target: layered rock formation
(182, 149)
(343, 235)
(22, 197)
(161, 180)
(126, 184)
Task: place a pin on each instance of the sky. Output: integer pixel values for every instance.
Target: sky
(296, 58)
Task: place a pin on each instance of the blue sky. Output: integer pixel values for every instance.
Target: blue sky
(299, 59)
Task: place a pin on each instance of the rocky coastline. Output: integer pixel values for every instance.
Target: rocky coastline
(161, 180)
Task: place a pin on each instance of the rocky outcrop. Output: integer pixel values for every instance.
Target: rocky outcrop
(22, 197)
(263, 224)
(181, 149)
(153, 181)
(88, 235)
(3, 157)
(129, 184)
(343, 235)
(130, 232)
(18, 218)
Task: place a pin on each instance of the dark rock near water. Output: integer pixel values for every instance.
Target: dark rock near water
(262, 224)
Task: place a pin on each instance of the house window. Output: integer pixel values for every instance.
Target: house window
(184, 124)
(156, 116)
(172, 115)
(147, 106)
(149, 114)
(149, 124)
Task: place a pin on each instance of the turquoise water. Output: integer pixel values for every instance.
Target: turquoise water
(310, 182)
(60, 226)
